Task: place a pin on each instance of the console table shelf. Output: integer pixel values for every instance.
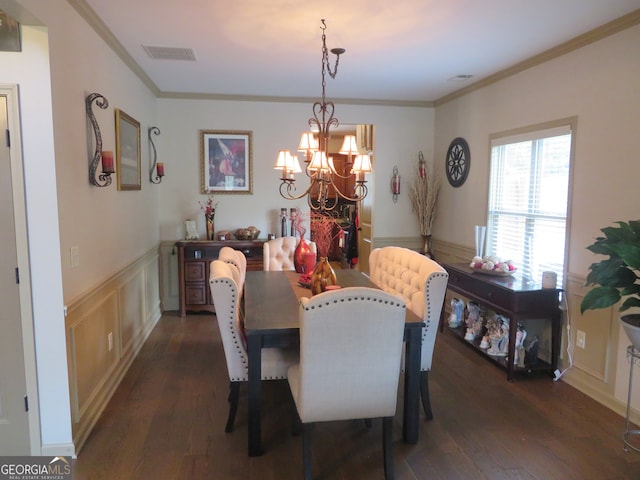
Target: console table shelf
(517, 298)
(540, 364)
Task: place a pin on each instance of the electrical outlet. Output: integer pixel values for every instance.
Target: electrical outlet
(75, 257)
(581, 339)
(110, 340)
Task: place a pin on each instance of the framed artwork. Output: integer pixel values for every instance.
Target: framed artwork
(226, 161)
(127, 151)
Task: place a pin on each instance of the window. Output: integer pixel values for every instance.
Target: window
(528, 200)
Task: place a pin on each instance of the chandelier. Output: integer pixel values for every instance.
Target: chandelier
(323, 192)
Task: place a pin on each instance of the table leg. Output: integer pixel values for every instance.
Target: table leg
(411, 413)
(513, 329)
(254, 352)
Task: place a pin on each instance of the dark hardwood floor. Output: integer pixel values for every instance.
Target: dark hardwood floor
(167, 418)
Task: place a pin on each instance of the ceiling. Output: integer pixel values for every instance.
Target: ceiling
(402, 51)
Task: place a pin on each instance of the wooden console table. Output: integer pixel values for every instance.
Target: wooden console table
(194, 257)
(517, 298)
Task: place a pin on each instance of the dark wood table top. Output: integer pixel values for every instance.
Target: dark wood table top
(272, 299)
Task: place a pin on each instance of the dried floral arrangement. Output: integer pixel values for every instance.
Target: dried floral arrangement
(298, 223)
(424, 196)
(209, 207)
(322, 232)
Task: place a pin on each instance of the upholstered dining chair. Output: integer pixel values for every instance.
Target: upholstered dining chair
(234, 257)
(223, 282)
(350, 355)
(422, 283)
(278, 253)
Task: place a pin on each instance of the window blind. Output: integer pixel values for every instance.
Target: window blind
(528, 200)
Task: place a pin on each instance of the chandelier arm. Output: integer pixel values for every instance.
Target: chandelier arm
(291, 186)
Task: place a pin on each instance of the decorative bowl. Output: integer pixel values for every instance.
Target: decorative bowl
(246, 233)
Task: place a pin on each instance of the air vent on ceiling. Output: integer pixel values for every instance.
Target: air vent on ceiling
(461, 78)
(169, 53)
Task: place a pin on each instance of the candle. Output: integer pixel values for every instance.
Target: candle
(107, 162)
(160, 169)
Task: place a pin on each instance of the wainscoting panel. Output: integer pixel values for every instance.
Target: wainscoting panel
(105, 329)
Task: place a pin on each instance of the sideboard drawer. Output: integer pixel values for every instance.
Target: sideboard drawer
(196, 294)
(194, 271)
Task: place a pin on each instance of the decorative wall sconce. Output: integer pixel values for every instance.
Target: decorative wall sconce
(395, 184)
(157, 168)
(104, 179)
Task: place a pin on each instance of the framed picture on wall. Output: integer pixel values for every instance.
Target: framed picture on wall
(127, 151)
(226, 161)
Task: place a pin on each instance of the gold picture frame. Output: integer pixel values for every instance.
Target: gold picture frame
(226, 161)
(128, 152)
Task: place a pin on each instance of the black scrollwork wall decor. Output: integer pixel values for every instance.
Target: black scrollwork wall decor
(156, 172)
(104, 179)
(458, 162)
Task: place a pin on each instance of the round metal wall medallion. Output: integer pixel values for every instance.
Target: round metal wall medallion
(458, 161)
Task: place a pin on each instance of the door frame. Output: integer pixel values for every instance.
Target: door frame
(11, 93)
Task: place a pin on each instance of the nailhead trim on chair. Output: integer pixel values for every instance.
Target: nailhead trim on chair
(349, 299)
(234, 327)
(236, 340)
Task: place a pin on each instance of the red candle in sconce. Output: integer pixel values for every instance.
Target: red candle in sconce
(107, 162)
(160, 169)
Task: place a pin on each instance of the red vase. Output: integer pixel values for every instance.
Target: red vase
(300, 255)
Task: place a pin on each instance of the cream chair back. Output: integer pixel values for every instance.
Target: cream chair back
(350, 353)
(236, 258)
(420, 281)
(278, 253)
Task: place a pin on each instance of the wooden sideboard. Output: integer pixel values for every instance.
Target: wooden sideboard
(194, 257)
(516, 297)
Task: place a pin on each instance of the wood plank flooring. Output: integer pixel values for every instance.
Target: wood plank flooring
(167, 418)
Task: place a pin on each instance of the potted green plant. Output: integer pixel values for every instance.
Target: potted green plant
(616, 278)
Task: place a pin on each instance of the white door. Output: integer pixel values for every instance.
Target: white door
(14, 420)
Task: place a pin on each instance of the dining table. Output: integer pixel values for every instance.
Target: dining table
(271, 305)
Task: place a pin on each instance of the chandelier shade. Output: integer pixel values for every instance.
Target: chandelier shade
(324, 191)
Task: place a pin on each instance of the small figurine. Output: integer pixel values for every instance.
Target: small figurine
(473, 322)
(500, 337)
(519, 354)
(457, 311)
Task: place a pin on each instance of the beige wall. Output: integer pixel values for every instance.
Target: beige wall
(598, 84)
(400, 133)
(114, 230)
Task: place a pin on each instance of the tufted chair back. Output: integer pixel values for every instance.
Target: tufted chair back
(423, 284)
(278, 253)
(420, 281)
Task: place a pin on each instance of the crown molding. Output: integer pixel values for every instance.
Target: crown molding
(101, 29)
(627, 21)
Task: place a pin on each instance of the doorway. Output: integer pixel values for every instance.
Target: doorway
(18, 412)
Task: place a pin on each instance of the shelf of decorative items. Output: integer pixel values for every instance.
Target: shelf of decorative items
(498, 306)
(633, 354)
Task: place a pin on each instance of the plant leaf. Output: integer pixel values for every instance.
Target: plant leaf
(599, 297)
